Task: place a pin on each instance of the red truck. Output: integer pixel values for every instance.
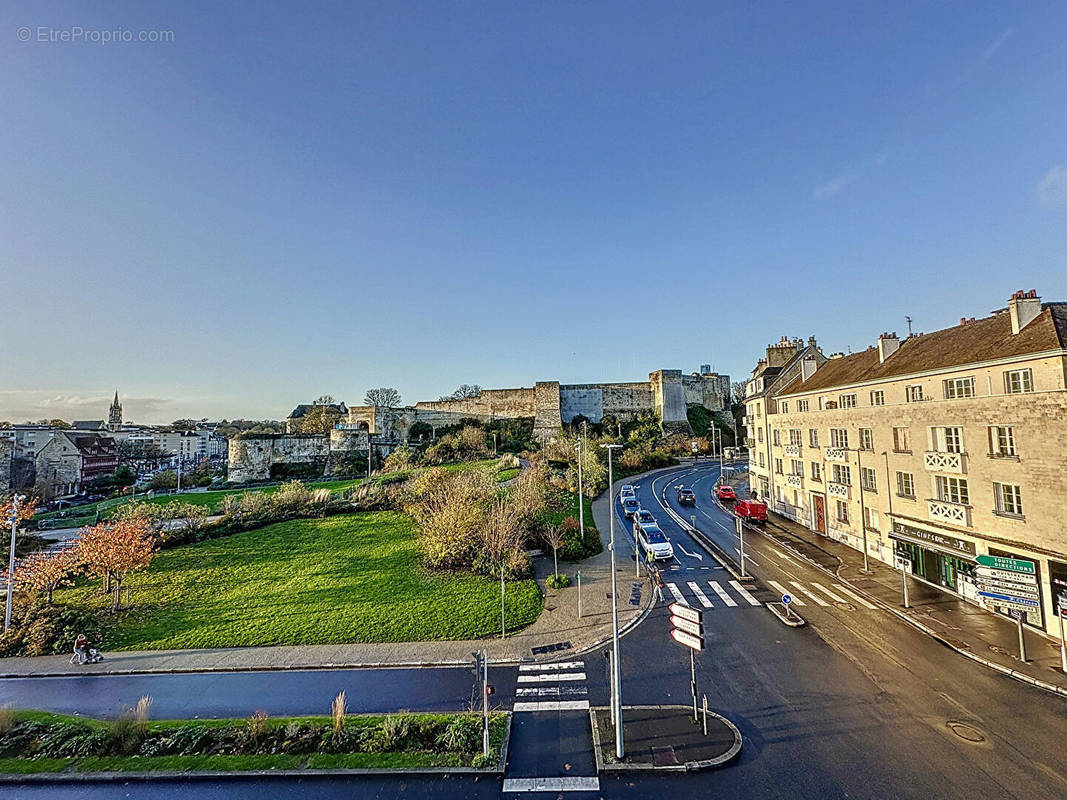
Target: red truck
(751, 510)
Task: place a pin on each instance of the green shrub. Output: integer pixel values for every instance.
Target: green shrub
(561, 581)
(40, 629)
(395, 730)
(463, 735)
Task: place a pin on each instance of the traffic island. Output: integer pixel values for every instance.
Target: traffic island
(664, 738)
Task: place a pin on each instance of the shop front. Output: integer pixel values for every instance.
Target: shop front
(938, 558)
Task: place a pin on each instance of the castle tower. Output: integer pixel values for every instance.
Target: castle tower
(114, 414)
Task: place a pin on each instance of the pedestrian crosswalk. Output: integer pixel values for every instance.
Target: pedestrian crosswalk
(559, 686)
(698, 597)
(713, 594)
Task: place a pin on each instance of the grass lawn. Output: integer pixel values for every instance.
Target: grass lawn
(507, 474)
(346, 578)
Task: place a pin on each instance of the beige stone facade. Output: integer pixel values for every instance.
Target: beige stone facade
(957, 450)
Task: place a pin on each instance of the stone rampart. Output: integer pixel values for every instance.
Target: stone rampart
(251, 457)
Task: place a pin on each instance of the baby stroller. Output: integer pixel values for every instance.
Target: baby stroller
(94, 656)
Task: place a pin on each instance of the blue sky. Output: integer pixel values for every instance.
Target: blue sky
(287, 200)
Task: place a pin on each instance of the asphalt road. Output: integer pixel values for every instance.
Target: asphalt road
(856, 704)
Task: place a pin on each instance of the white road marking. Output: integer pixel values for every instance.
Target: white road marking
(555, 665)
(697, 556)
(814, 597)
(703, 598)
(722, 594)
(721, 525)
(552, 784)
(552, 705)
(550, 691)
(856, 597)
(677, 595)
(831, 595)
(785, 591)
(741, 590)
(783, 555)
(748, 558)
(545, 677)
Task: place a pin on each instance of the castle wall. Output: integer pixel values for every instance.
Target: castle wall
(251, 457)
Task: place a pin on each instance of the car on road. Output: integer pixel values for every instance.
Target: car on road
(654, 543)
(686, 497)
(630, 506)
(642, 519)
(751, 510)
(628, 490)
(725, 492)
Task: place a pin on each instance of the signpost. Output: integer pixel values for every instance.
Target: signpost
(1011, 583)
(1012, 564)
(688, 630)
(1062, 609)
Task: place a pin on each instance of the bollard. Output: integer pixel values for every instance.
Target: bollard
(705, 715)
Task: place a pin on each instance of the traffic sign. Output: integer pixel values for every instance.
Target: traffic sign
(685, 612)
(1013, 564)
(694, 628)
(687, 639)
(1004, 574)
(1010, 601)
(787, 599)
(1008, 587)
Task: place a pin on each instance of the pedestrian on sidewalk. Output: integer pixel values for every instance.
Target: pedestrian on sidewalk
(80, 644)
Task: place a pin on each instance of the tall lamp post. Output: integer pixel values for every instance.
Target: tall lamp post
(617, 675)
(11, 560)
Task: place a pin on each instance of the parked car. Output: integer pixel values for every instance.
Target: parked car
(654, 543)
(686, 497)
(725, 492)
(628, 490)
(751, 510)
(630, 506)
(642, 519)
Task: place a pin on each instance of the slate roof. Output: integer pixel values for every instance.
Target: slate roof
(985, 339)
(303, 409)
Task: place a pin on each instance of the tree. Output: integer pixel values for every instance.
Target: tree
(167, 479)
(737, 391)
(383, 397)
(114, 549)
(464, 392)
(320, 419)
(553, 536)
(40, 572)
(27, 508)
(325, 400)
(59, 423)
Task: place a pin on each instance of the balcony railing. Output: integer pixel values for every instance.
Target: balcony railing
(841, 490)
(953, 513)
(796, 481)
(836, 454)
(938, 461)
(792, 450)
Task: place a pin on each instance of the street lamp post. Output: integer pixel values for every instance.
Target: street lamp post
(863, 508)
(616, 673)
(11, 560)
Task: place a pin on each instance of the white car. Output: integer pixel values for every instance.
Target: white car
(654, 543)
(628, 490)
(642, 519)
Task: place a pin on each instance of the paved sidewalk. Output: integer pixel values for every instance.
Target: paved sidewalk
(976, 633)
(664, 738)
(557, 632)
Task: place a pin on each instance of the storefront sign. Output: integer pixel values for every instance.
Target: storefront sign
(1011, 564)
(940, 541)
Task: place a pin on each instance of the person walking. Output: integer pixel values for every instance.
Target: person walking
(80, 644)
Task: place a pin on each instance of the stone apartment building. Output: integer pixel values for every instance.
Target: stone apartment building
(72, 459)
(933, 450)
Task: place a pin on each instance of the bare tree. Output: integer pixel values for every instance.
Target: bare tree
(553, 536)
(383, 397)
(464, 392)
(737, 391)
(325, 400)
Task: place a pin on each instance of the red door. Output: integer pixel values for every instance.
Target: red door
(820, 512)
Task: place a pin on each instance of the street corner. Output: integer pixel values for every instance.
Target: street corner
(668, 738)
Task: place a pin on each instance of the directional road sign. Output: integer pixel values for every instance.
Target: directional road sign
(695, 628)
(685, 612)
(1008, 588)
(1013, 564)
(1004, 574)
(1010, 601)
(687, 639)
(787, 599)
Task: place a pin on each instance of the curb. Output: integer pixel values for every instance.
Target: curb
(169, 775)
(787, 615)
(688, 766)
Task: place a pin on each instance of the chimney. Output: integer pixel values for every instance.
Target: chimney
(808, 365)
(1023, 308)
(888, 343)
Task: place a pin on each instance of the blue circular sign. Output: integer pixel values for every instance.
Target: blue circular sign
(787, 599)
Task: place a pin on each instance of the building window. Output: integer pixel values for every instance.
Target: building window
(797, 468)
(957, 388)
(870, 518)
(842, 512)
(868, 479)
(838, 437)
(915, 393)
(1009, 499)
(778, 465)
(813, 437)
(1002, 441)
(803, 405)
(900, 440)
(1017, 381)
(785, 406)
(878, 398)
(816, 471)
(759, 434)
(777, 436)
(761, 464)
(866, 439)
(842, 474)
(947, 439)
(796, 437)
(848, 401)
(952, 490)
(906, 485)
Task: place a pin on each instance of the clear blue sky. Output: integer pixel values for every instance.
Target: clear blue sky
(288, 200)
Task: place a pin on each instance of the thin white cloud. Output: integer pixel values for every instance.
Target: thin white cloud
(834, 186)
(996, 44)
(880, 159)
(1052, 189)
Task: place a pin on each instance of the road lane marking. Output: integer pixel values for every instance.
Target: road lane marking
(550, 691)
(544, 677)
(703, 598)
(785, 591)
(748, 558)
(741, 590)
(677, 595)
(552, 705)
(554, 665)
(856, 597)
(831, 595)
(783, 555)
(722, 593)
(554, 785)
(814, 597)
(722, 526)
(691, 555)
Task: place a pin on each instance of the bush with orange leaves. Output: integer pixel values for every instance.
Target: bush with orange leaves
(113, 549)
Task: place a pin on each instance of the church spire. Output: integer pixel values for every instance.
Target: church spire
(114, 414)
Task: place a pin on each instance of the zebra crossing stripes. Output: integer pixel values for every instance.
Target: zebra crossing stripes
(553, 689)
(546, 677)
(722, 594)
(828, 593)
(818, 600)
(703, 598)
(677, 594)
(741, 590)
(553, 785)
(778, 587)
(856, 597)
(557, 665)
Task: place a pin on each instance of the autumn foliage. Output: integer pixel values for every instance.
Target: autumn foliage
(41, 572)
(113, 549)
(27, 508)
